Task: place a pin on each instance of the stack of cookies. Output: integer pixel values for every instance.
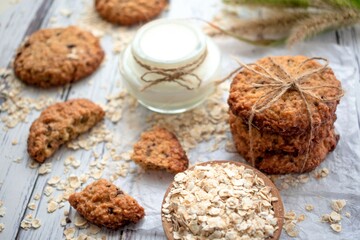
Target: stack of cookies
(289, 135)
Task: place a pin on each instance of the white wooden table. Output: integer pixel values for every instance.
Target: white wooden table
(19, 183)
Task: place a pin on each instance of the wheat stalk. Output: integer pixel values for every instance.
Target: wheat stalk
(280, 23)
(270, 3)
(321, 22)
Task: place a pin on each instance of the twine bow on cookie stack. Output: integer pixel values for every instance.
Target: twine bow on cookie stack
(184, 75)
(279, 82)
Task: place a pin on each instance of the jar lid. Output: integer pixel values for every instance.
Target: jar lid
(168, 43)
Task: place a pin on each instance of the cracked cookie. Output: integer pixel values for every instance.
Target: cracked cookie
(57, 56)
(60, 123)
(160, 149)
(105, 205)
(129, 12)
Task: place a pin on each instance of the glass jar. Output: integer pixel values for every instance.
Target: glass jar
(170, 66)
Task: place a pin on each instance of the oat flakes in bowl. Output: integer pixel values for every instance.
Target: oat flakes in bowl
(222, 200)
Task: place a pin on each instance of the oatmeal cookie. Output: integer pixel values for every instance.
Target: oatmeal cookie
(105, 205)
(55, 57)
(281, 162)
(60, 123)
(129, 12)
(267, 141)
(160, 149)
(288, 115)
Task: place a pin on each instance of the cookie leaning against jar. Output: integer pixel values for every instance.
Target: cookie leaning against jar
(57, 56)
(129, 12)
(289, 134)
(60, 123)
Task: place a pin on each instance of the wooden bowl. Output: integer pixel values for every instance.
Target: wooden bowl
(278, 205)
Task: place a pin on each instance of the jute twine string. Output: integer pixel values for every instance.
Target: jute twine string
(281, 81)
(184, 75)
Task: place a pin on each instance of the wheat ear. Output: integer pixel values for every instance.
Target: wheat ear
(321, 22)
(277, 24)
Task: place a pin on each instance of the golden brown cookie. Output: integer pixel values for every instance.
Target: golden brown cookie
(55, 57)
(160, 149)
(105, 205)
(282, 162)
(60, 123)
(269, 142)
(129, 12)
(288, 115)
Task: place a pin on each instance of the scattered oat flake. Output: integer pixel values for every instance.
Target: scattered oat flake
(54, 180)
(45, 168)
(2, 211)
(14, 142)
(74, 182)
(65, 12)
(80, 221)
(290, 229)
(325, 218)
(309, 207)
(75, 163)
(322, 173)
(32, 206)
(126, 156)
(35, 223)
(48, 191)
(30, 222)
(63, 222)
(338, 205)
(93, 229)
(336, 227)
(33, 164)
(2, 227)
(37, 197)
(16, 106)
(301, 218)
(334, 217)
(69, 233)
(53, 20)
(52, 206)
(83, 237)
(347, 214)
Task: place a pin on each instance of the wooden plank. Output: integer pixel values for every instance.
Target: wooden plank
(27, 17)
(17, 179)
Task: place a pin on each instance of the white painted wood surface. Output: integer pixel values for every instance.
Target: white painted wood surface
(19, 183)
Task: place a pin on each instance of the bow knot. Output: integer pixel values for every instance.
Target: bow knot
(278, 83)
(183, 76)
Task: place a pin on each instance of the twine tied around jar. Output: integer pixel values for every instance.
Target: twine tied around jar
(183, 75)
(278, 86)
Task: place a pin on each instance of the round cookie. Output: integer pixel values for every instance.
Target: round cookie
(55, 57)
(129, 12)
(281, 162)
(270, 142)
(288, 115)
